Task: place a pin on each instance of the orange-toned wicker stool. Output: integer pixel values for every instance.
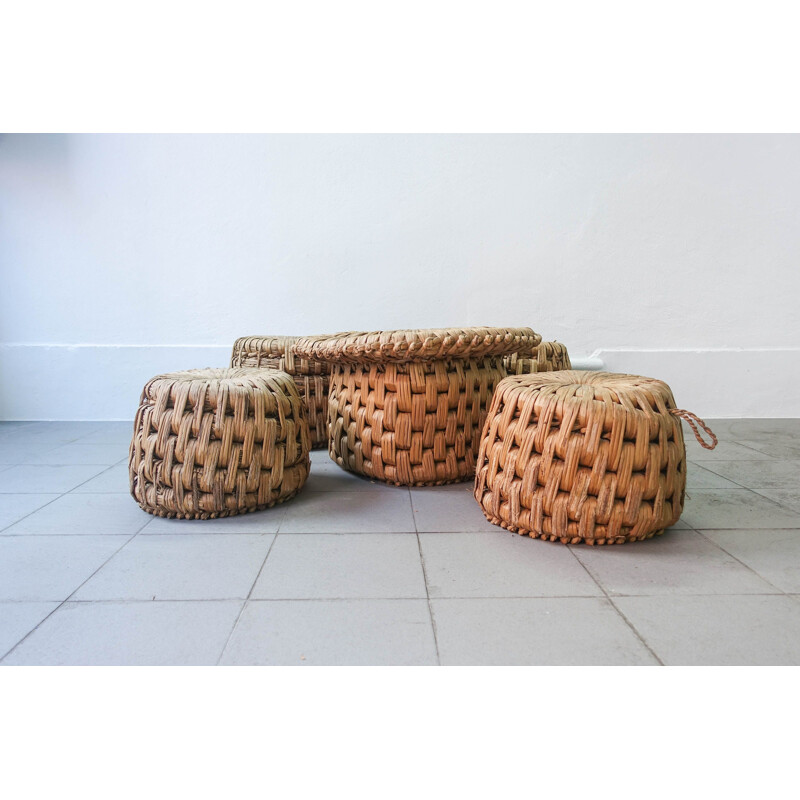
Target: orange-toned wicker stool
(547, 357)
(216, 442)
(590, 457)
(407, 407)
(310, 376)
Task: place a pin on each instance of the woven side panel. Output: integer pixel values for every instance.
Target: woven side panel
(311, 377)
(213, 443)
(582, 457)
(411, 424)
(547, 357)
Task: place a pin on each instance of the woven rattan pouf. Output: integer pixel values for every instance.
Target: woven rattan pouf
(547, 357)
(310, 376)
(590, 457)
(217, 442)
(407, 407)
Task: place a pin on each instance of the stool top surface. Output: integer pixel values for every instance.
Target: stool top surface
(216, 380)
(580, 385)
(275, 346)
(420, 344)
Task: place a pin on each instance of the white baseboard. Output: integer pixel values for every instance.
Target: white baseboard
(759, 383)
(103, 382)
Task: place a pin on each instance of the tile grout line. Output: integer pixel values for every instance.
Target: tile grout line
(425, 579)
(65, 600)
(618, 610)
(249, 593)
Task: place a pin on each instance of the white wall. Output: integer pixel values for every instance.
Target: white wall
(123, 256)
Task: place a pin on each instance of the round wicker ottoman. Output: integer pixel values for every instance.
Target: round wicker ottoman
(590, 457)
(547, 357)
(216, 442)
(310, 376)
(407, 407)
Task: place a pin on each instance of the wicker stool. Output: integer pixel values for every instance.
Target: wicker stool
(216, 442)
(590, 457)
(310, 376)
(547, 357)
(407, 407)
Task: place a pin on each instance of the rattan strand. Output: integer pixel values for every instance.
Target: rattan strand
(311, 376)
(415, 422)
(546, 357)
(590, 457)
(217, 442)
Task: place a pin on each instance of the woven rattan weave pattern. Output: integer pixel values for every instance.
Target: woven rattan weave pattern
(546, 357)
(218, 442)
(590, 457)
(428, 344)
(310, 376)
(417, 421)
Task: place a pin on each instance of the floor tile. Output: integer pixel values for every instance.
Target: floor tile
(14, 507)
(21, 451)
(7, 426)
(162, 634)
(38, 479)
(55, 432)
(501, 564)
(119, 433)
(698, 477)
(84, 514)
(447, 511)
(50, 567)
(724, 451)
(735, 508)
(76, 453)
(755, 428)
(113, 480)
(202, 567)
(343, 565)
(760, 474)
(334, 633)
(783, 446)
(773, 554)
(17, 620)
(682, 562)
(349, 512)
(718, 630)
(266, 521)
(788, 498)
(327, 476)
(540, 631)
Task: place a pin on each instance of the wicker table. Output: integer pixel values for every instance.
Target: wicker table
(218, 442)
(407, 407)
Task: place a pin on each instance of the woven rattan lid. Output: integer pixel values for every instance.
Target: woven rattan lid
(214, 383)
(633, 391)
(426, 344)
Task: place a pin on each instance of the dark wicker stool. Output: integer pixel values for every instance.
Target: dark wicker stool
(216, 442)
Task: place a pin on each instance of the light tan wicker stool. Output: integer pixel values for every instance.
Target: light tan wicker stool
(407, 407)
(310, 376)
(547, 357)
(590, 457)
(216, 442)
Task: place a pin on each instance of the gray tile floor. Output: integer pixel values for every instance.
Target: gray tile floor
(353, 572)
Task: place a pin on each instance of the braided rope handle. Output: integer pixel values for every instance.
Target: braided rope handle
(691, 419)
